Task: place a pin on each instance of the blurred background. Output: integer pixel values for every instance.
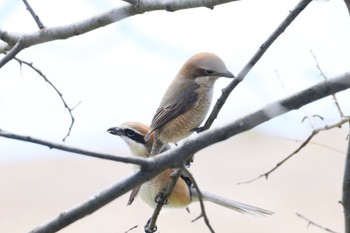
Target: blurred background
(119, 73)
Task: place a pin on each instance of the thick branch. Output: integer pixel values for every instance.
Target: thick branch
(52, 145)
(346, 190)
(263, 48)
(347, 3)
(177, 156)
(63, 32)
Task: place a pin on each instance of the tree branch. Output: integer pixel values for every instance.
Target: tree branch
(346, 190)
(34, 15)
(256, 57)
(200, 199)
(52, 145)
(70, 109)
(308, 139)
(347, 3)
(63, 32)
(310, 222)
(175, 157)
(151, 226)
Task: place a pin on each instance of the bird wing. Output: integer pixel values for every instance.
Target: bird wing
(178, 102)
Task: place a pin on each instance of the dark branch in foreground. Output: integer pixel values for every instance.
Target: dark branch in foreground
(70, 110)
(177, 156)
(263, 48)
(52, 145)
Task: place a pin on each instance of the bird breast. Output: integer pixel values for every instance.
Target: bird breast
(183, 125)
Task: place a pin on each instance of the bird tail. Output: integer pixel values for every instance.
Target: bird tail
(231, 204)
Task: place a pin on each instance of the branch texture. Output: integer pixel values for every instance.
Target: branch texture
(63, 32)
(346, 190)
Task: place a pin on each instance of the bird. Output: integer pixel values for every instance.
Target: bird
(187, 100)
(184, 193)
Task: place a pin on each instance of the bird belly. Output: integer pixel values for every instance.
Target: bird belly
(179, 197)
(182, 126)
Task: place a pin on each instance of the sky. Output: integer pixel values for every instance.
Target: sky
(119, 73)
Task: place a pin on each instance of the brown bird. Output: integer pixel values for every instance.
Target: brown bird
(187, 100)
(183, 193)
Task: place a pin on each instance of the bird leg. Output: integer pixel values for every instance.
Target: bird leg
(160, 199)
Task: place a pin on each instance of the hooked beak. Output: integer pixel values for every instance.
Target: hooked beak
(227, 74)
(115, 131)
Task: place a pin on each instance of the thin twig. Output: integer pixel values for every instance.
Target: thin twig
(310, 222)
(131, 228)
(325, 78)
(52, 145)
(308, 139)
(256, 57)
(34, 15)
(70, 110)
(200, 198)
(151, 226)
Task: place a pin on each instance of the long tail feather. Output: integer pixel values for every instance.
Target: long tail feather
(231, 204)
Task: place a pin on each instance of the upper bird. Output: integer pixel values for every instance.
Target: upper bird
(187, 100)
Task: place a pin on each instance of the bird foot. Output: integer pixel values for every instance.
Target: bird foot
(160, 199)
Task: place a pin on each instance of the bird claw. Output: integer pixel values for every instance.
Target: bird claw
(197, 129)
(160, 199)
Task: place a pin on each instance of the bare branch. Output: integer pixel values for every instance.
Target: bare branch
(70, 110)
(314, 132)
(256, 57)
(176, 157)
(347, 3)
(132, 228)
(52, 145)
(63, 32)
(151, 226)
(325, 78)
(346, 190)
(310, 222)
(201, 202)
(34, 15)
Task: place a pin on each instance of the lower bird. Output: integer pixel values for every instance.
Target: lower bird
(183, 193)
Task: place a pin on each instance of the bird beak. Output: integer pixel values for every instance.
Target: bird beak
(115, 131)
(227, 74)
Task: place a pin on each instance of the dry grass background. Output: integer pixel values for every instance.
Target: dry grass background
(35, 191)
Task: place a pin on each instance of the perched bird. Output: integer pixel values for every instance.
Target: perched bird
(187, 100)
(183, 193)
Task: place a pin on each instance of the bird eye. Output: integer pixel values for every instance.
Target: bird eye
(209, 72)
(129, 132)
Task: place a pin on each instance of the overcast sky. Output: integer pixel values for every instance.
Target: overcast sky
(120, 72)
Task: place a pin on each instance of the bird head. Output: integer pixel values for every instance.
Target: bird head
(204, 67)
(133, 134)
